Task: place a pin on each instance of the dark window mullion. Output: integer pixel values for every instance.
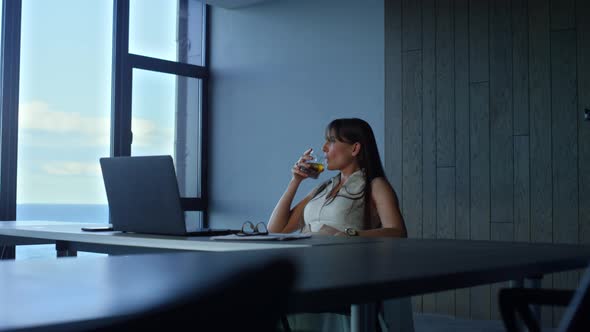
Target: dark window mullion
(10, 71)
(121, 82)
(205, 121)
(166, 66)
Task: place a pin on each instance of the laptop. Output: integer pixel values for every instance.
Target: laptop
(143, 197)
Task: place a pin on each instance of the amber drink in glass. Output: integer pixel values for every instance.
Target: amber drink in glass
(316, 166)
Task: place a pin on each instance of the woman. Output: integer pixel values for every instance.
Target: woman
(359, 201)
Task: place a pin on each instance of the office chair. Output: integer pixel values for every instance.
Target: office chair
(251, 300)
(518, 300)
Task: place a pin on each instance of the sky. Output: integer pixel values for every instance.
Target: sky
(65, 94)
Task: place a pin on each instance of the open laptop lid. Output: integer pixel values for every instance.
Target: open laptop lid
(143, 195)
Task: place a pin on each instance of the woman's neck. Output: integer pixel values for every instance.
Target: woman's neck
(347, 171)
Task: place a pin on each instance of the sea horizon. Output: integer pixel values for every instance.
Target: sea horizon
(87, 213)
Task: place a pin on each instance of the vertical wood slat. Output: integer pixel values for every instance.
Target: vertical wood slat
(393, 99)
(499, 232)
(565, 149)
(541, 185)
(563, 14)
(480, 184)
(520, 67)
(522, 195)
(445, 109)
(583, 80)
(479, 143)
(412, 141)
(445, 216)
(411, 25)
(583, 49)
(564, 119)
(461, 85)
(501, 141)
(429, 131)
(478, 41)
(540, 125)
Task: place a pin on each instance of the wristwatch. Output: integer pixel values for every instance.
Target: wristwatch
(351, 232)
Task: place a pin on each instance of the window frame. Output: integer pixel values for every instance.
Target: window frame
(123, 64)
(9, 92)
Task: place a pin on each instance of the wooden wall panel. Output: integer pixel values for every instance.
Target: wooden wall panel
(522, 194)
(412, 142)
(583, 81)
(411, 24)
(520, 67)
(445, 92)
(583, 49)
(563, 14)
(393, 94)
(429, 130)
(564, 120)
(480, 161)
(540, 132)
(501, 141)
(478, 41)
(499, 232)
(503, 87)
(480, 184)
(462, 193)
(445, 217)
(540, 117)
(565, 148)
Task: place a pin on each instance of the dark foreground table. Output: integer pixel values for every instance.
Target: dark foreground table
(46, 293)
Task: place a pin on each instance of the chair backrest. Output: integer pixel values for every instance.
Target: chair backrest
(577, 314)
(251, 300)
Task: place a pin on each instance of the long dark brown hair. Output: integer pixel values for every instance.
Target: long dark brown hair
(354, 130)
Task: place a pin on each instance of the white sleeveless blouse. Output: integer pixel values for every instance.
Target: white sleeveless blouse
(346, 210)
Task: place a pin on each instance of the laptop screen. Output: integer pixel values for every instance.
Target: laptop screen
(143, 195)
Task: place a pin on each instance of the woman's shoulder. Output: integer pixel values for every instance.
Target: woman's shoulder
(380, 187)
(381, 184)
(380, 181)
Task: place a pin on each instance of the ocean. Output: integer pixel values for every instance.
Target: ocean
(92, 213)
(87, 213)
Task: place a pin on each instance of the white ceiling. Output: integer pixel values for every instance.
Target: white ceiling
(232, 3)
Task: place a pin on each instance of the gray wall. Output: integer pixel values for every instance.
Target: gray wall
(485, 134)
(281, 70)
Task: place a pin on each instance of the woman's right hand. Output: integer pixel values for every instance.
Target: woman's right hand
(298, 175)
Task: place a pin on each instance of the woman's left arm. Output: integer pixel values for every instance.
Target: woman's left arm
(387, 204)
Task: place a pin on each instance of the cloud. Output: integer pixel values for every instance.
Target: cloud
(83, 130)
(36, 115)
(72, 168)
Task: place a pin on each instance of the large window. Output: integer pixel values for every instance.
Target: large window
(64, 109)
(100, 78)
(64, 112)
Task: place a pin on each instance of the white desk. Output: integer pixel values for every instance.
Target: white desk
(69, 237)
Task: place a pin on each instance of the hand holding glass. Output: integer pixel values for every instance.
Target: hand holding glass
(315, 166)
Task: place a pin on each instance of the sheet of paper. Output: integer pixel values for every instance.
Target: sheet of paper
(269, 237)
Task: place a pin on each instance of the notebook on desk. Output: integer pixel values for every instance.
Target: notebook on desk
(143, 197)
